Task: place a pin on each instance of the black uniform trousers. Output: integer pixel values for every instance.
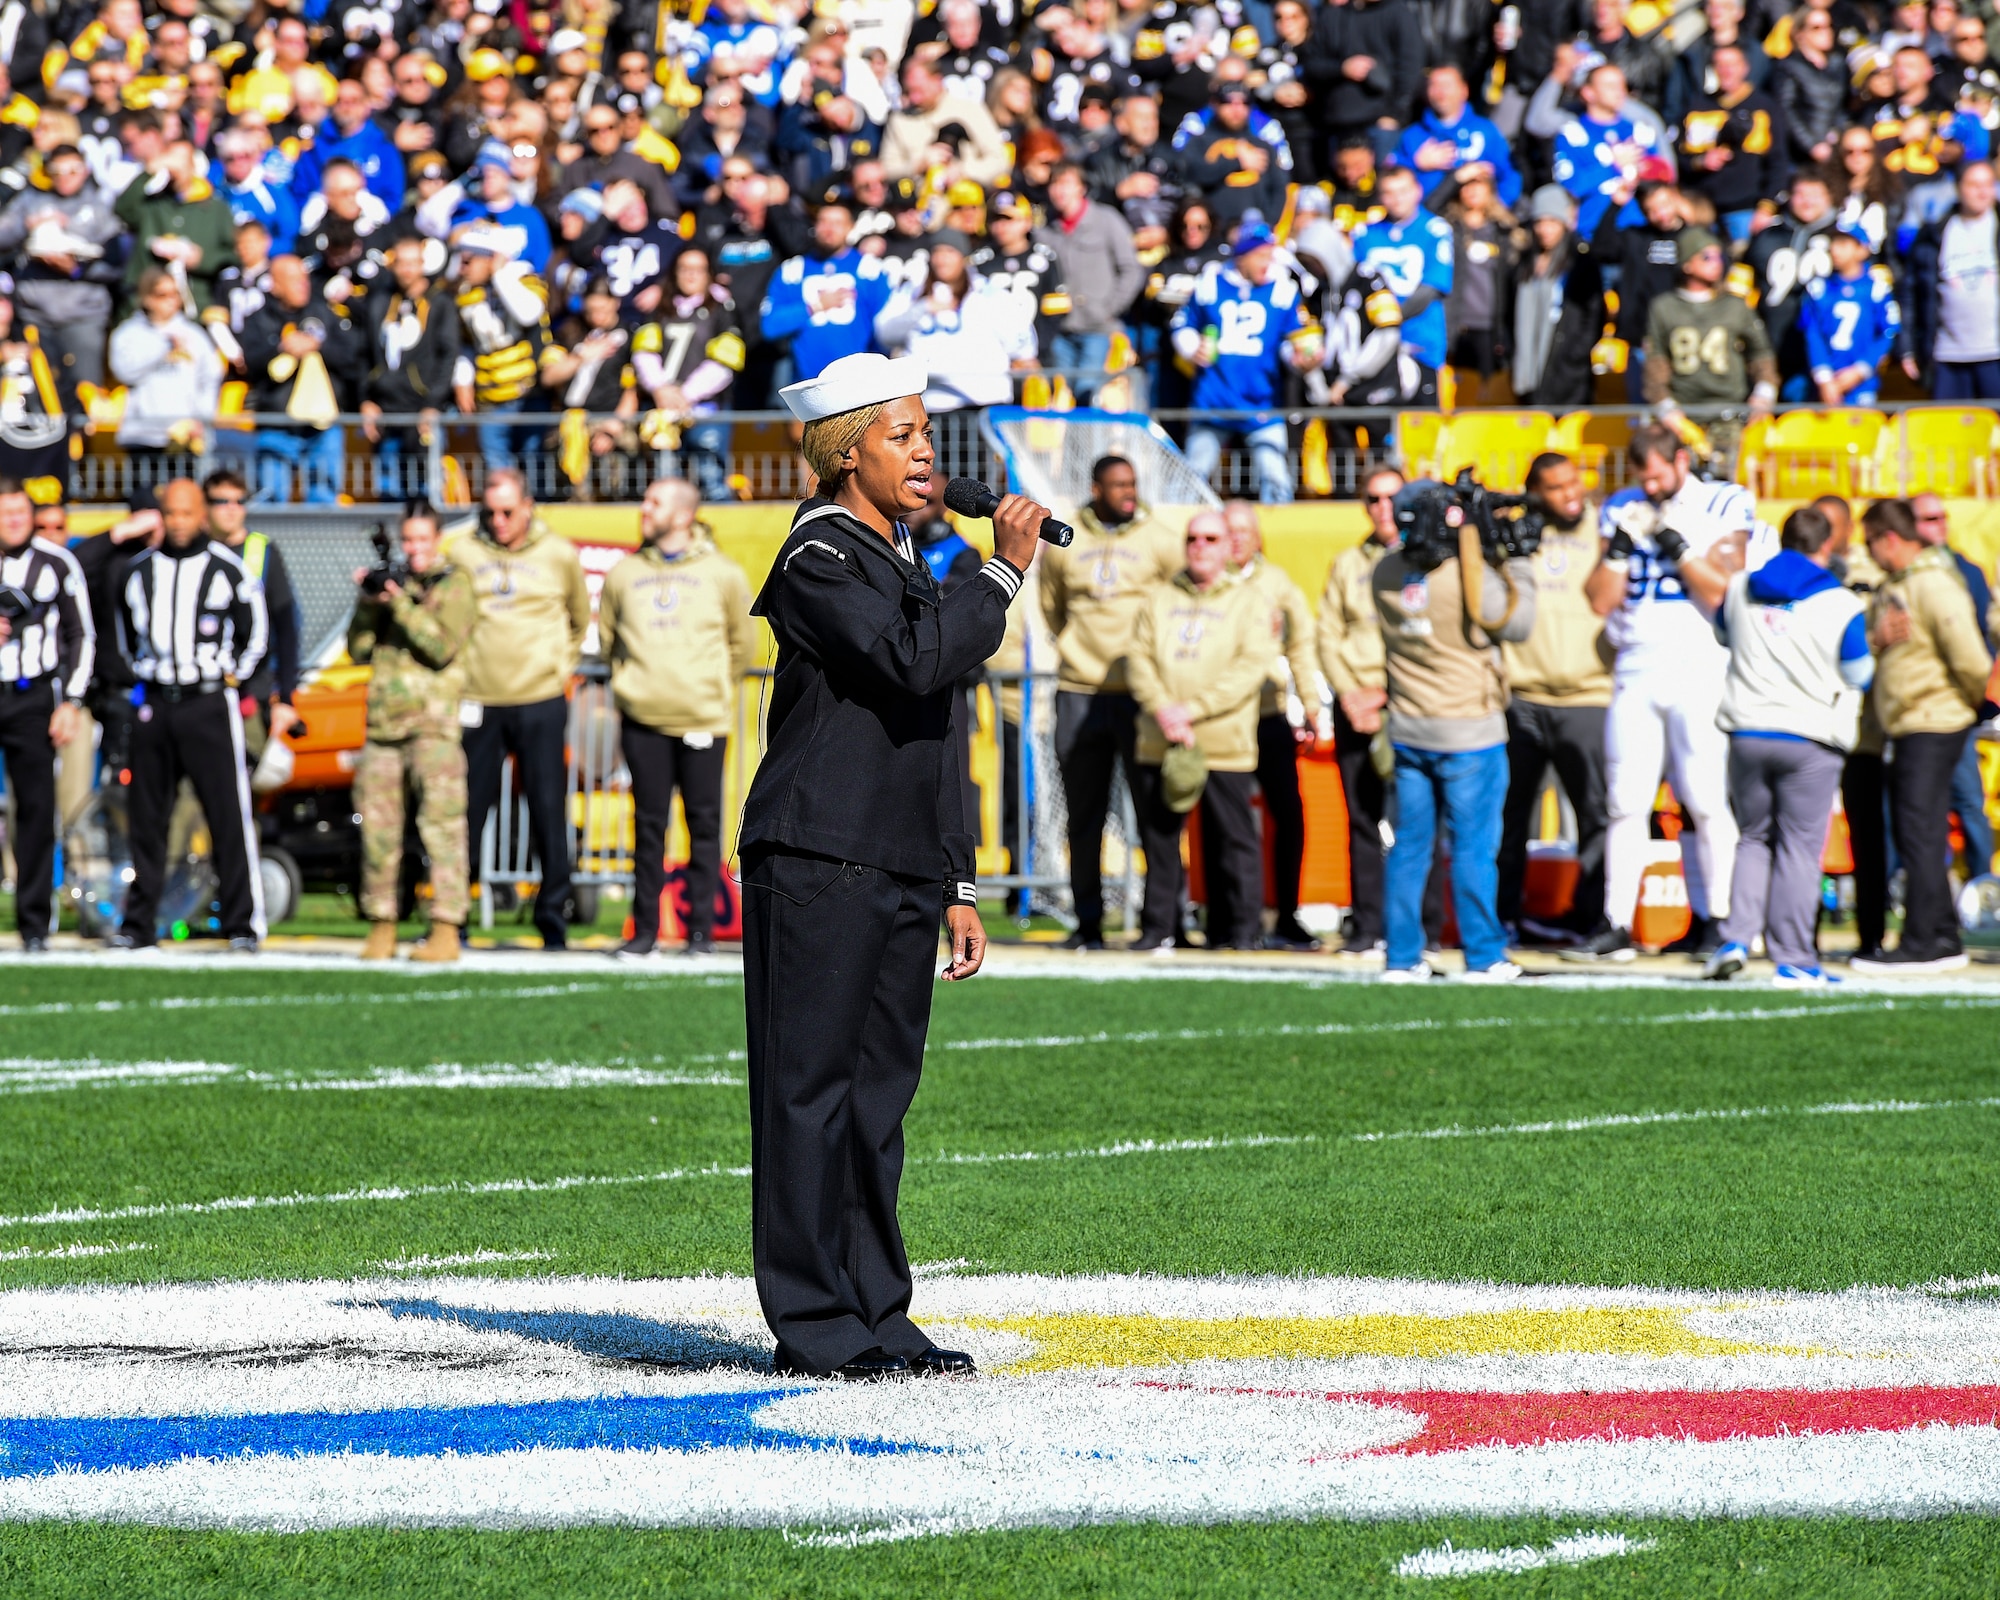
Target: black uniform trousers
(1232, 862)
(1571, 738)
(200, 738)
(534, 735)
(1863, 786)
(660, 763)
(838, 963)
(1920, 812)
(31, 779)
(1094, 732)
(1368, 799)
(1284, 808)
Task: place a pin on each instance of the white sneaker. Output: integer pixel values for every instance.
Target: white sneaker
(1499, 972)
(1420, 973)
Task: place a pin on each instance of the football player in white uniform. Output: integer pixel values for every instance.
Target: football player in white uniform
(1672, 542)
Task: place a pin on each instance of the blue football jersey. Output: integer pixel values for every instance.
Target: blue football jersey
(1250, 324)
(795, 305)
(1849, 322)
(1408, 256)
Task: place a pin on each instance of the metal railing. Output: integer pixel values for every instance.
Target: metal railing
(1895, 447)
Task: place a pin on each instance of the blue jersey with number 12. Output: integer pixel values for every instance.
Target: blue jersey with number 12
(1252, 321)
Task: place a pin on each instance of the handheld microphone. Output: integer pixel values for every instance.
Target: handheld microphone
(971, 498)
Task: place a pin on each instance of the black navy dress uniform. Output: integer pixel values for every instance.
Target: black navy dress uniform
(46, 660)
(193, 626)
(853, 842)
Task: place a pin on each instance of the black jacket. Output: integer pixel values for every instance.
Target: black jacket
(1384, 30)
(1813, 99)
(274, 375)
(860, 763)
(421, 377)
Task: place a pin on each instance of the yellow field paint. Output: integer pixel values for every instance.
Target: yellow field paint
(1143, 1341)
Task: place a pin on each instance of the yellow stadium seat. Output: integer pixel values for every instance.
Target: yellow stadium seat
(229, 406)
(1805, 453)
(1946, 450)
(1419, 438)
(1499, 444)
(1591, 441)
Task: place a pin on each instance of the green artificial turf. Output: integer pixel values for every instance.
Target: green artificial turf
(1065, 1070)
(1779, 1201)
(1842, 1559)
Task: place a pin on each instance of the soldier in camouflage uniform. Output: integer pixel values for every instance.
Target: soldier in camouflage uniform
(414, 633)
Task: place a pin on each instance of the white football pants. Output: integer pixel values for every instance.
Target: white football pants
(1665, 721)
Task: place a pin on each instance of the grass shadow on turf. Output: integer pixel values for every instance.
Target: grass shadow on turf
(611, 1336)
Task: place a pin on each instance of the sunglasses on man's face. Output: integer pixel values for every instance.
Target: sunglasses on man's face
(1380, 499)
(227, 500)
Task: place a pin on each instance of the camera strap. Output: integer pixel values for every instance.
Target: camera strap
(1471, 572)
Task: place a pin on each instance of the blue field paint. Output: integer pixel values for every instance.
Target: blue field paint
(31, 1446)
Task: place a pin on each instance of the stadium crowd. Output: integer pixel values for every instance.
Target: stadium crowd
(645, 217)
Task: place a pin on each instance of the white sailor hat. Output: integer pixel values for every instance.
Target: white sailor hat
(853, 382)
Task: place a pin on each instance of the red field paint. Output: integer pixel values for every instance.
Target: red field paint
(1458, 1420)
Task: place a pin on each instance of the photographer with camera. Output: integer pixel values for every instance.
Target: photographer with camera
(1457, 588)
(1675, 540)
(411, 623)
(1560, 677)
(46, 647)
(534, 610)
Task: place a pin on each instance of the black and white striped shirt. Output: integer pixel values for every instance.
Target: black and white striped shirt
(191, 617)
(56, 639)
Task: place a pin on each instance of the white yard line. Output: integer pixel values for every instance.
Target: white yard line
(1122, 1148)
(87, 1008)
(71, 1252)
(1322, 1030)
(474, 1258)
(1444, 1561)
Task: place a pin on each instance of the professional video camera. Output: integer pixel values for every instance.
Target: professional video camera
(391, 565)
(1508, 524)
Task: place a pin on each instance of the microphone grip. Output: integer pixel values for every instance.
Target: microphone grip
(1057, 533)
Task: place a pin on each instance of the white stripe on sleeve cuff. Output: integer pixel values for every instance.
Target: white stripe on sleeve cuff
(1005, 574)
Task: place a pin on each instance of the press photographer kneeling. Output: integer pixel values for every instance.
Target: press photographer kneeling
(411, 621)
(1457, 586)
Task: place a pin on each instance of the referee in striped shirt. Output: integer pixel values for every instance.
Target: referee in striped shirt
(191, 622)
(46, 652)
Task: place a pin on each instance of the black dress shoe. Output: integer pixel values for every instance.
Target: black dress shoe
(869, 1367)
(35, 945)
(121, 940)
(700, 944)
(936, 1363)
(639, 945)
(1084, 939)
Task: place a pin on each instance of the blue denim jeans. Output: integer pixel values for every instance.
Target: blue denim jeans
(318, 453)
(1081, 357)
(402, 466)
(704, 459)
(1968, 799)
(513, 444)
(1268, 457)
(1471, 787)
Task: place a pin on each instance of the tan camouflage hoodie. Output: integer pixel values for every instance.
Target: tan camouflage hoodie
(679, 636)
(1091, 594)
(1209, 650)
(534, 611)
